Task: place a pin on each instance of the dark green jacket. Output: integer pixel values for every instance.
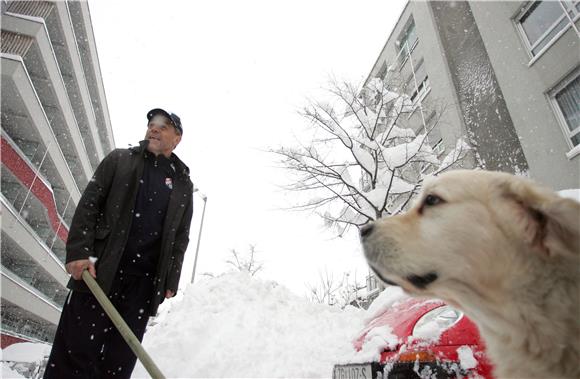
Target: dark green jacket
(102, 220)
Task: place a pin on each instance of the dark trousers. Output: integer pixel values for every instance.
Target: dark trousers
(87, 344)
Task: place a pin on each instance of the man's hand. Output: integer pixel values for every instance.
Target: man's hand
(169, 294)
(76, 268)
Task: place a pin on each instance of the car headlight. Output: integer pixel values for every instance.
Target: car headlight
(433, 323)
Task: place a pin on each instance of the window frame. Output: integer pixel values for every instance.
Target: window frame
(437, 147)
(570, 6)
(402, 53)
(420, 93)
(568, 134)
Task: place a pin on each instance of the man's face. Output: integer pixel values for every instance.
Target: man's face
(162, 136)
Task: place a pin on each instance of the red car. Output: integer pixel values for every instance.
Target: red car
(428, 339)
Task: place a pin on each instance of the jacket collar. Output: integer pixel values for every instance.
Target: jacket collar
(180, 168)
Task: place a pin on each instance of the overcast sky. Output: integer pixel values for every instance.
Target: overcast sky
(236, 72)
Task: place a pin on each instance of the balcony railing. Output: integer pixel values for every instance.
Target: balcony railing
(27, 273)
(30, 177)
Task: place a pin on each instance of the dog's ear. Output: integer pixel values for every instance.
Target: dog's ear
(548, 222)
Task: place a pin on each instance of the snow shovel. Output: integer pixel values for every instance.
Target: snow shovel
(122, 327)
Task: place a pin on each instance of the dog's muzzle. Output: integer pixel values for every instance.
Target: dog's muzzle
(371, 252)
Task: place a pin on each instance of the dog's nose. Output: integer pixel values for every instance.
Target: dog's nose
(367, 229)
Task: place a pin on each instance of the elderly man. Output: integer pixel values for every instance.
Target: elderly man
(130, 231)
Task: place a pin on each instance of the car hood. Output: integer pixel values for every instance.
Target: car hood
(402, 317)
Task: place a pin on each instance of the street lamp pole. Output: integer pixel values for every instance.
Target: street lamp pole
(204, 198)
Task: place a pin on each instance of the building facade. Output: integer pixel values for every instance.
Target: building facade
(505, 75)
(55, 130)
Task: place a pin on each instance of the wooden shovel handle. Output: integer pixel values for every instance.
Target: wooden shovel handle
(122, 327)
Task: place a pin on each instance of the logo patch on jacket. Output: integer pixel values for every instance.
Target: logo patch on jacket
(169, 183)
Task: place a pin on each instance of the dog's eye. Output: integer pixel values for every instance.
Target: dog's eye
(431, 200)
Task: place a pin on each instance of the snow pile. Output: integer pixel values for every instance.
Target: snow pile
(23, 360)
(389, 297)
(7, 372)
(239, 326)
(25, 352)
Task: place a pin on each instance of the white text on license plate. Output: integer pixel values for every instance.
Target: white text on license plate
(353, 372)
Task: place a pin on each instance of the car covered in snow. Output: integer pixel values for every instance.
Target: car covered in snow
(413, 338)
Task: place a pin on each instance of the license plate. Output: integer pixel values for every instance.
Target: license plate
(363, 371)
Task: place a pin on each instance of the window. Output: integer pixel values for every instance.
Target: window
(407, 42)
(435, 138)
(543, 21)
(372, 283)
(566, 101)
(418, 84)
(436, 143)
(421, 91)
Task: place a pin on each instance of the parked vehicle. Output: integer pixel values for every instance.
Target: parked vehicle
(429, 339)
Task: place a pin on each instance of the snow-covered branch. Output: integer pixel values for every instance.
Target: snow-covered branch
(366, 161)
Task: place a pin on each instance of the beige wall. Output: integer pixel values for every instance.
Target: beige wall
(525, 89)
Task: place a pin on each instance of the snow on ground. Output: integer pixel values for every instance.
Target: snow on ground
(25, 352)
(239, 326)
(7, 372)
(22, 360)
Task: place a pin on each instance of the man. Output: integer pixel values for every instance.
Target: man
(134, 218)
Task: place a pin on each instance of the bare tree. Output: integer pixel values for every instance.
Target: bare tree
(323, 291)
(246, 261)
(360, 164)
(328, 290)
(349, 292)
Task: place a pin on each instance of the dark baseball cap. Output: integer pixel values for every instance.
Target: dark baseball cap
(175, 120)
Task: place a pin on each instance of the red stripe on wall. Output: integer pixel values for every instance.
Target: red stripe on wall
(8, 340)
(25, 173)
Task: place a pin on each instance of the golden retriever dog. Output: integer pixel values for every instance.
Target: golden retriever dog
(502, 249)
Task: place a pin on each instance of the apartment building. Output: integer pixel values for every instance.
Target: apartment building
(506, 74)
(55, 130)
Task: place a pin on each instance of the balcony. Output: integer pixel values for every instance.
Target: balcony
(24, 119)
(43, 71)
(17, 264)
